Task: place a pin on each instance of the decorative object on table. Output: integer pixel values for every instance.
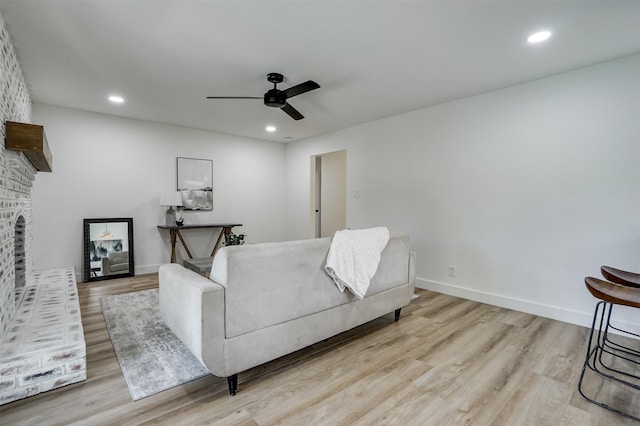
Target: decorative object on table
(107, 243)
(173, 201)
(234, 239)
(151, 357)
(195, 177)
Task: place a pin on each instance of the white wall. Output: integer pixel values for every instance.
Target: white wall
(105, 166)
(525, 190)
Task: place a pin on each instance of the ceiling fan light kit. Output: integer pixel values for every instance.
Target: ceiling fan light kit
(277, 98)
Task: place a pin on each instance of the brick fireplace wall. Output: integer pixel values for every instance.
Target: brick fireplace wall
(16, 178)
(42, 343)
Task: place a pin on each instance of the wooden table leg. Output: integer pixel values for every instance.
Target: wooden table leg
(223, 232)
(184, 244)
(173, 245)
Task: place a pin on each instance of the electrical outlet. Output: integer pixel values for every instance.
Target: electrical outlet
(452, 271)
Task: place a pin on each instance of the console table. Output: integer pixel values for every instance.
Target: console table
(175, 233)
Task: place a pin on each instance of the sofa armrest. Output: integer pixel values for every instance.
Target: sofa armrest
(104, 266)
(193, 308)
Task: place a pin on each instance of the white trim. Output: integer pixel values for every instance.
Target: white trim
(146, 269)
(548, 311)
(139, 270)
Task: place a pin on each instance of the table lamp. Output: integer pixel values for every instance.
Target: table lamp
(173, 200)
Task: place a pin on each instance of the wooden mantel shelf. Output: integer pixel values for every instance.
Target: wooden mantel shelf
(30, 139)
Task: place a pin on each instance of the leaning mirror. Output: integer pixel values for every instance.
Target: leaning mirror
(108, 248)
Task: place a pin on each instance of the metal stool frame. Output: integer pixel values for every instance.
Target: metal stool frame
(594, 361)
(628, 279)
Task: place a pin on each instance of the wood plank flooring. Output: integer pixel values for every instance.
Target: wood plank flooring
(448, 361)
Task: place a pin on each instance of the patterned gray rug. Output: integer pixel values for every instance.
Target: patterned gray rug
(152, 358)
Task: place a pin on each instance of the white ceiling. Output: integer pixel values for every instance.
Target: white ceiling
(373, 59)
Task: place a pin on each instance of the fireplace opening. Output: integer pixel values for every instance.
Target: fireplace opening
(20, 258)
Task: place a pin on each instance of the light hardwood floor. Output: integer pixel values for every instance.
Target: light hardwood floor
(447, 361)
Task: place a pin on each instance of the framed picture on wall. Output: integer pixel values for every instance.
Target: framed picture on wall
(195, 183)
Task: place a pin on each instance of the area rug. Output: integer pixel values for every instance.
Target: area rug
(151, 357)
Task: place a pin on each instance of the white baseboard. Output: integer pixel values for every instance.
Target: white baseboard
(548, 311)
(146, 269)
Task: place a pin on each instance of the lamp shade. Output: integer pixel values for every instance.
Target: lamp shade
(171, 198)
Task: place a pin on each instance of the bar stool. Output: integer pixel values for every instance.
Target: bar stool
(619, 276)
(610, 294)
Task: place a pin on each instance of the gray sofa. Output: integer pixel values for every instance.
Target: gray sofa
(263, 301)
(117, 262)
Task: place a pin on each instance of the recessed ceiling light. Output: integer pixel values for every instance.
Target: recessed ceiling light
(270, 129)
(116, 99)
(539, 36)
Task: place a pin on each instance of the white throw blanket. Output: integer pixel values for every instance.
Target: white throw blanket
(354, 256)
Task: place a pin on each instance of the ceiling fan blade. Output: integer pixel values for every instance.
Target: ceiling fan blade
(234, 97)
(301, 88)
(293, 113)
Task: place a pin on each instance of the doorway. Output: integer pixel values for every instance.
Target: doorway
(328, 193)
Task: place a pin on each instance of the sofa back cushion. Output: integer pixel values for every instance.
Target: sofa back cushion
(116, 257)
(271, 283)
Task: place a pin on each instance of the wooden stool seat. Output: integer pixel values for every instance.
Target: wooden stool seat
(613, 293)
(620, 277)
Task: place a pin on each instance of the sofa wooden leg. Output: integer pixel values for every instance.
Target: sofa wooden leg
(233, 384)
(398, 313)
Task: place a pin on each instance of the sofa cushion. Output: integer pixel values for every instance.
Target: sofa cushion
(290, 279)
(119, 257)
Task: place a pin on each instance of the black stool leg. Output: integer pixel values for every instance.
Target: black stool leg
(608, 346)
(592, 357)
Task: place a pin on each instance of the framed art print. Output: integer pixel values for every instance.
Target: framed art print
(195, 178)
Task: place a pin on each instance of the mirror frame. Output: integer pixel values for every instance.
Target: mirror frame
(86, 251)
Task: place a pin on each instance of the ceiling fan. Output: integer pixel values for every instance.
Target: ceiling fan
(277, 98)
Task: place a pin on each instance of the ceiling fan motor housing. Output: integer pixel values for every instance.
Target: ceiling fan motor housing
(275, 77)
(275, 98)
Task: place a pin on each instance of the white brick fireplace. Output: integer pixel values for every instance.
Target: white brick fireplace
(42, 343)
(16, 178)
